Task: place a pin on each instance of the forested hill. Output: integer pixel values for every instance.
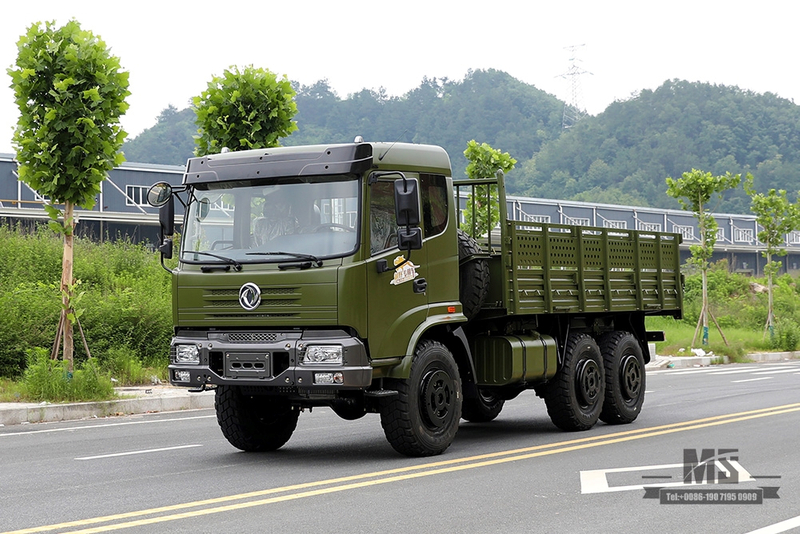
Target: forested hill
(620, 156)
(488, 106)
(628, 150)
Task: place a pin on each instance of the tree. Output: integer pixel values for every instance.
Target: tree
(71, 94)
(694, 191)
(777, 217)
(244, 109)
(485, 162)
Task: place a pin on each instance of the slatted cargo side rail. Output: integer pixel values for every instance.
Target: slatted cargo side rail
(554, 268)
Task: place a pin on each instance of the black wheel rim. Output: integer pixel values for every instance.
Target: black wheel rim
(436, 398)
(588, 382)
(630, 375)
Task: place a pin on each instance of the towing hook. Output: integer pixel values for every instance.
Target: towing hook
(205, 386)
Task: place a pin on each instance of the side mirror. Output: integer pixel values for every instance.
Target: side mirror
(409, 238)
(406, 201)
(166, 219)
(159, 194)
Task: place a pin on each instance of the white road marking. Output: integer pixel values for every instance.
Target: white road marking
(596, 481)
(751, 379)
(776, 371)
(685, 371)
(86, 427)
(777, 528)
(131, 453)
(738, 371)
(716, 370)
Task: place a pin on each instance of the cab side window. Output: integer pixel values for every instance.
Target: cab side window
(434, 203)
(382, 222)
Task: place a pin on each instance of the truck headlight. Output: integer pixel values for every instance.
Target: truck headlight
(186, 354)
(331, 354)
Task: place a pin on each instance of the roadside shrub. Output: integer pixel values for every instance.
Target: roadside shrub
(29, 319)
(124, 367)
(127, 301)
(786, 336)
(46, 379)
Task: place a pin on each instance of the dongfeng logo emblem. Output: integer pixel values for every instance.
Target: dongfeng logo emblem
(250, 296)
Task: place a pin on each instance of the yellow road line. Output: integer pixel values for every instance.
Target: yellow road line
(396, 475)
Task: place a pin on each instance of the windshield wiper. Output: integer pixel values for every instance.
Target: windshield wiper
(311, 257)
(236, 265)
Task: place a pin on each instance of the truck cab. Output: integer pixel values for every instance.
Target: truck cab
(300, 282)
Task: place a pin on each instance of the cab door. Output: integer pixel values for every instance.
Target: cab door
(396, 302)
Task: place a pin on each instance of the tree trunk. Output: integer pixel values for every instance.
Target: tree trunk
(704, 313)
(66, 283)
(769, 327)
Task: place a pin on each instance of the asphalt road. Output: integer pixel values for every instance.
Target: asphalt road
(519, 474)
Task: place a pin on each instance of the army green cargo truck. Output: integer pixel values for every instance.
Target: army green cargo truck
(338, 276)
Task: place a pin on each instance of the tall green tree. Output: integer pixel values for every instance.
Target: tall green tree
(244, 109)
(485, 162)
(694, 191)
(71, 94)
(777, 217)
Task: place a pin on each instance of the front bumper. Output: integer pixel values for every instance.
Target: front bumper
(271, 359)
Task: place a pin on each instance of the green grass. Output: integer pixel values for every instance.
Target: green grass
(126, 302)
(11, 391)
(679, 334)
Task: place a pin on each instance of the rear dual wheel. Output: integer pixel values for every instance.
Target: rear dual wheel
(625, 378)
(574, 398)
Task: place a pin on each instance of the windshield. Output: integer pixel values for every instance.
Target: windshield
(280, 222)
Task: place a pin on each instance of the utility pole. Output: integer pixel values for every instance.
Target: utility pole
(573, 108)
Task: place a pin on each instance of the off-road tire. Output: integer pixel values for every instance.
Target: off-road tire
(625, 378)
(422, 419)
(481, 408)
(574, 397)
(473, 281)
(254, 423)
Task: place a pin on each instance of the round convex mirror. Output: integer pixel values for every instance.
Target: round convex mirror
(159, 194)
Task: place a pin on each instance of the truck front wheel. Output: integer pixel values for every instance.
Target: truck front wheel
(422, 420)
(254, 423)
(625, 379)
(574, 398)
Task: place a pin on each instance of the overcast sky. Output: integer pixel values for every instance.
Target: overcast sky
(172, 48)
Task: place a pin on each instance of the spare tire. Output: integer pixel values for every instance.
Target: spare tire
(473, 280)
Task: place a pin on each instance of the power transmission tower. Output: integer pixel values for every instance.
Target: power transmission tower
(573, 108)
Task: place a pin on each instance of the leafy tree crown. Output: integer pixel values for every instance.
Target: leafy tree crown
(244, 109)
(776, 216)
(694, 191)
(485, 162)
(71, 94)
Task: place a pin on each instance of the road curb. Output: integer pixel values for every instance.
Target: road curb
(678, 362)
(20, 413)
